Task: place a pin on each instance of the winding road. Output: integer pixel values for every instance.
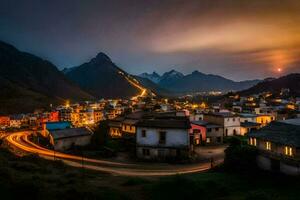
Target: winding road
(20, 141)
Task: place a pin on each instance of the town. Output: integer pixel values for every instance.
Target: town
(150, 100)
(160, 129)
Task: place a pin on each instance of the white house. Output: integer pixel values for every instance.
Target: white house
(229, 121)
(160, 138)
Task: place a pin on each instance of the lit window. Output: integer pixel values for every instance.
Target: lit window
(268, 145)
(252, 141)
(207, 140)
(288, 151)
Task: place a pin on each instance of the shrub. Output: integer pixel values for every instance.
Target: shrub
(240, 158)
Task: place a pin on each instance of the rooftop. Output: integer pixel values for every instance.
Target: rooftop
(249, 124)
(279, 132)
(247, 115)
(177, 123)
(206, 124)
(70, 132)
(295, 121)
(222, 114)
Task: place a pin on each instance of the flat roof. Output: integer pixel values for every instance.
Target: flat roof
(70, 132)
(206, 124)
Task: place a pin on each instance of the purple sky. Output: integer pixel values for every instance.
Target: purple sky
(237, 39)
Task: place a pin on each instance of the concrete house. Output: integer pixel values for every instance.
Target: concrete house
(207, 133)
(65, 139)
(229, 121)
(115, 127)
(279, 146)
(163, 137)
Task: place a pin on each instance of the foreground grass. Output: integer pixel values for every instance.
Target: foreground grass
(36, 178)
(224, 185)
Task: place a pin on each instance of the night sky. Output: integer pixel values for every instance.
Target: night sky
(242, 39)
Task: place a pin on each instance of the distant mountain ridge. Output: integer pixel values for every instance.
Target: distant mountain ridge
(177, 82)
(154, 77)
(102, 78)
(29, 82)
(291, 82)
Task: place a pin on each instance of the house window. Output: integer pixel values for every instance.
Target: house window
(217, 129)
(219, 139)
(268, 146)
(144, 133)
(209, 130)
(162, 137)
(233, 119)
(288, 151)
(252, 141)
(146, 152)
(208, 140)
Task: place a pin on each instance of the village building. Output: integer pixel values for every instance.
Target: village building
(206, 133)
(65, 114)
(64, 139)
(229, 121)
(264, 119)
(115, 127)
(16, 121)
(248, 123)
(247, 127)
(4, 121)
(163, 137)
(279, 146)
(98, 116)
(52, 126)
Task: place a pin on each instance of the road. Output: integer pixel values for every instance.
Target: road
(20, 141)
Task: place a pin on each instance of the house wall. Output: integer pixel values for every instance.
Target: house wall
(248, 119)
(67, 143)
(263, 162)
(201, 137)
(232, 130)
(214, 134)
(4, 121)
(231, 124)
(128, 128)
(264, 119)
(115, 132)
(214, 119)
(174, 137)
(161, 153)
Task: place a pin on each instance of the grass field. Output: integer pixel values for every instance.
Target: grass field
(42, 179)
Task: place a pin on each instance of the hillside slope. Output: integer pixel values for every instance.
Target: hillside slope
(29, 82)
(291, 82)
(102, 78)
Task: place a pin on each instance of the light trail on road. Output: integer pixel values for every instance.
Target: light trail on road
(20, 141)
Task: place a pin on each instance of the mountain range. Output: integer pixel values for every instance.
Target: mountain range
(28, 82)
(177, 82)
(291, 82)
